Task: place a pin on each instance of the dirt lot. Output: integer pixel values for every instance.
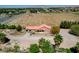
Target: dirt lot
(25, 40)
(43, 18)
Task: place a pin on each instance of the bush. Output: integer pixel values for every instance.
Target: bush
(63, 50)
(68, 24)
(55, 29)
(73, 49)
(12, 27)
(18, 28)
(7, 49)
(75, 30)
(77, 47)
(58, 39)
(16, 48)
(5, 26)
(65, 24)
(46, 46)
(3, 38)
(41, 42)
(34, 48)
(33, 11)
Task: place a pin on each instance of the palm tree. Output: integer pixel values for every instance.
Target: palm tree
(46, 46)
(58, 40)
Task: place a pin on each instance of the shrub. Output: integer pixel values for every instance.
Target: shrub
(55, 29)
(5, 26)
(33, 11)
(65, 24)
(75, 49)
(34, 48)
(3, 38)
(12, 27)
(68, 24)
(16, 48)
(41, 42)
(75, 30)
(46, 46)
(8, 49)
(18, 28)
(63, 50)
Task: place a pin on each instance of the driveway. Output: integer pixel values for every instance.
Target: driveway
(25, 40)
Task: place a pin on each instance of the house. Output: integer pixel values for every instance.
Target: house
(40, 28)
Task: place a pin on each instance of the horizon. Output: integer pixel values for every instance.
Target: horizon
(36, 6)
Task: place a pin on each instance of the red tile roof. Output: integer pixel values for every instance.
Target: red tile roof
(41, 27)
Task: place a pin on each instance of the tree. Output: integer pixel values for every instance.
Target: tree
(33, 10)
(34, 48)
(18, 28)
(58, 40)
(55, 29)
(46, 46)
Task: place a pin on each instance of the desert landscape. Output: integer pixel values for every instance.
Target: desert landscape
(44, 18)
(39, 30)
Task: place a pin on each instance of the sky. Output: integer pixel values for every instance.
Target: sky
(35, 6)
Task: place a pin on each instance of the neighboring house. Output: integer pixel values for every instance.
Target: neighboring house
(40, 28)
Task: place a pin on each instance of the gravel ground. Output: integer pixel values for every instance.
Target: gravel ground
(25, 40)
(69, 40)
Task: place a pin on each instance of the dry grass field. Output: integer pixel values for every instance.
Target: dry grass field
(43, 18)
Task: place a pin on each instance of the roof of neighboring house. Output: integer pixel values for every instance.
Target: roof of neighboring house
(40, 27)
